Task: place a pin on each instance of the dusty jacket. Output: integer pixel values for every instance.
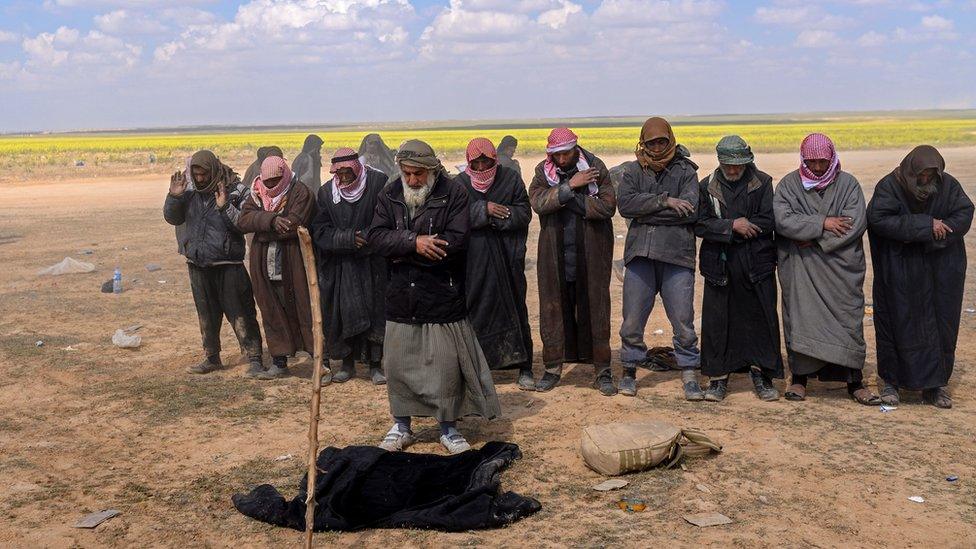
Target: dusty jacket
(715, 229)
(656, 231)
(421, 291)
(206, 235)
(595, 254)
(287, 324)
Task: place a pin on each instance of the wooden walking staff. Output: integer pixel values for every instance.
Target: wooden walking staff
(311, 273)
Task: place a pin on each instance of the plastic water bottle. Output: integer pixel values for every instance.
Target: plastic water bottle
(117, 281)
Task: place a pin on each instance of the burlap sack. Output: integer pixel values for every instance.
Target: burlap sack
(619, 448)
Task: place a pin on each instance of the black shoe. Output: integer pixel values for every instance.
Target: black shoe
(693, 390)
(547, 382)
(205, 367)
(604, 382)
(255, 369)
(526, 381)
(628, 383)
(345, 372)
(763, 387)
(376, 375)
(717, 389)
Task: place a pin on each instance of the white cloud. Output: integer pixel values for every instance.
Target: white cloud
(872, 39)
(7, 36)
(126, 22)
(937, 23)
(817, 39)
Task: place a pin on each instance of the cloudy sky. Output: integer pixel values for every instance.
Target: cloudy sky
(73, 64)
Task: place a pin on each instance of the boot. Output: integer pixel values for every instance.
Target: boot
(376, 374)
(763, 386)
(278, 369)
(256, 368)
(210, 364)
(604, 382)
(717, 389)
(550, 379)
(628, 383)
(345, 372)
(526, 381)
(693, 390)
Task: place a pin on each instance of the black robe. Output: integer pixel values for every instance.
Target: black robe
(495, 282)
(740, 325)
(367, 487)
(918, 282)
(352, 281)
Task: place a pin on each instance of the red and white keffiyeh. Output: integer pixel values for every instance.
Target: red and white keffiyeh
(818, 146)
(478, 147)
(271, 199)
(563, 139)
(350, 192)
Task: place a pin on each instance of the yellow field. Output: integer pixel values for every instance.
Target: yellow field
(42, 154)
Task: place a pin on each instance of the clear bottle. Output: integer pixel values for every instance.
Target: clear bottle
(117, 281)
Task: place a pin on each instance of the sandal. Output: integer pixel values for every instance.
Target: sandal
(938, 397)
(796, 392)
(866, 397)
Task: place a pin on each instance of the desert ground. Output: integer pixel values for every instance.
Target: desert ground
(86, 426)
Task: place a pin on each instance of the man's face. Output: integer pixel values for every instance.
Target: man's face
(345, 176)
(482, 163)
(200, 176)
(566, 159)
(927, 176)
(415, 178)
(657, 145)
(272, 182)
(818, 166)
(732, 172)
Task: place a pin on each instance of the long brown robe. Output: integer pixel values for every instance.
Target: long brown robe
(286, 315)
(594, 235)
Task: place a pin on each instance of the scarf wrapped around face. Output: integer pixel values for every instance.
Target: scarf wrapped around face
(272, 200)
(217, 171)
(655, 128)
(350, 192)
(563, 139)
(818, 146)
(921, 158)
(478, 147)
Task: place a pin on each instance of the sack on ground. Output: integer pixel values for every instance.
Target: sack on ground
(620, 448)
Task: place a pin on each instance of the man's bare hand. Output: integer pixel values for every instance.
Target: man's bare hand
(746, 229)
(281, 224)
(431, 247)
(498, 211)
(220, 195)
(177, 184)
(360, 241)
(838, 226)
(682, 207)
(803, 243)
(584, 178)
(940, 230)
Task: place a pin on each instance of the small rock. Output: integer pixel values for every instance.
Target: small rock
(703, 488)
(764, 499)
(917, 499)
(152, 267)
(285, 457)
(659, 332)
(38, 343)
(611, 484)
(971, 310)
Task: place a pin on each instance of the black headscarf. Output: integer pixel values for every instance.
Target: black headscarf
(377, 155)
(920, 159)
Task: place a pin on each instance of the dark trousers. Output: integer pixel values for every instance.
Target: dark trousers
(225, 291)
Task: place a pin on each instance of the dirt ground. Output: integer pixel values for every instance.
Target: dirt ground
(85, 426)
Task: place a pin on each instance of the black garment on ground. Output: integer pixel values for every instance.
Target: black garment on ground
(918, 282)
(740, 325)
(495, 282)
(352, 280)
(366, 487)
(225, 291)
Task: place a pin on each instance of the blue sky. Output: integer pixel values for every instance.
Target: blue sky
(79, 64)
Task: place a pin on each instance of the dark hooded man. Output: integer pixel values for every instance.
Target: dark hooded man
(204, 203)
(917, 219)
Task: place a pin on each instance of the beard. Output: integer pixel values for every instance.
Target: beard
(414, 198)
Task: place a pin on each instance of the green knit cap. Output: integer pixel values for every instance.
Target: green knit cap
(734, 150)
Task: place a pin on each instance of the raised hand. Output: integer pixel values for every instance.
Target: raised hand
(177, 184)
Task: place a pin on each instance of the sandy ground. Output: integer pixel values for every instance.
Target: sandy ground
(96, 427)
